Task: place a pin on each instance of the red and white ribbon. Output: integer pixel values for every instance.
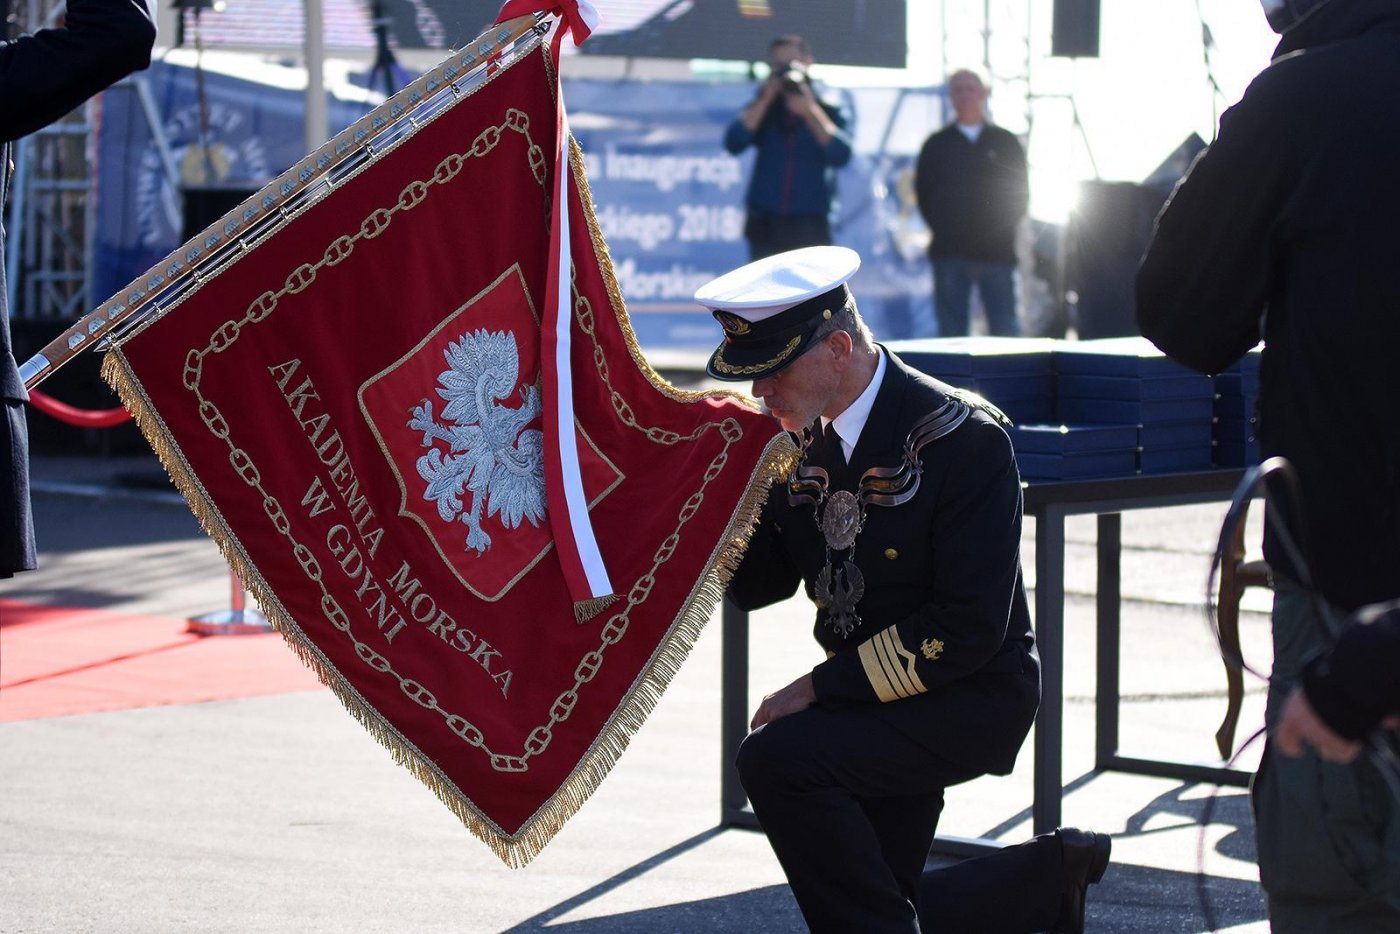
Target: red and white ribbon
(579, 17)
(584, 571)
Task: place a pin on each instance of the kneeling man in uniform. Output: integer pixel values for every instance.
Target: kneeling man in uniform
(902, 520)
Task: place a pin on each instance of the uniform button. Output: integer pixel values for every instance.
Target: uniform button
(891, 553)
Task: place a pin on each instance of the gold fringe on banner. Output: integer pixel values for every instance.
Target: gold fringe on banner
(517, 849)
(776, 464)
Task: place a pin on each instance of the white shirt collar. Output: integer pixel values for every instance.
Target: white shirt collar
(850, 423)
(971, 132)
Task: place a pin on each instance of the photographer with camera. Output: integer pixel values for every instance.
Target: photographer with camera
(801, 140)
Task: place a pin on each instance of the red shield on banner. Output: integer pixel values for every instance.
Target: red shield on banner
(480, 458)
(351, 405)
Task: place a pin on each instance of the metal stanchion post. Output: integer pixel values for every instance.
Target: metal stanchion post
(237, 620)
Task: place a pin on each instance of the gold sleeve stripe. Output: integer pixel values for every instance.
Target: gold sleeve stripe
(887, 647)
(890, 667)
(909, 661)
(875, 672)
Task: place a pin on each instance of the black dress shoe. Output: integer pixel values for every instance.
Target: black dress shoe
(1085, 859)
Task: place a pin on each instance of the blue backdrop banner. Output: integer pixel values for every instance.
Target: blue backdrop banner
(669, 199)
(158, 159)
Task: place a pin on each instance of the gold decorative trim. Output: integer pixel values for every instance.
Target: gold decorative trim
(502, 44)
(519, 848)
(783, 354)
(875, 672)
(889, 666)
(619, 307)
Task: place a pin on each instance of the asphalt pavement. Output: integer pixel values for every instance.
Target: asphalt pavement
(280, 814)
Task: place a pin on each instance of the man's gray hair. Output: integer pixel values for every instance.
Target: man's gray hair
(847, 319)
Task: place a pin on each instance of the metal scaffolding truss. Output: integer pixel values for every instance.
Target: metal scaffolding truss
(994, 37)
(49, 248)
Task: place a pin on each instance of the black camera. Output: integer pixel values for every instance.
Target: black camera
(793, 77)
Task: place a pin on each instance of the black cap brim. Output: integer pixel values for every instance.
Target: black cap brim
(755, 350)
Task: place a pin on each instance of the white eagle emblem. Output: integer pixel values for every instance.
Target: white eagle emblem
(491, 458)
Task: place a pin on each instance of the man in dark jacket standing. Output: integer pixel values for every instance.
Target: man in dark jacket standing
(42, 77)
(972, 189)
(903, 521)
(1286, 229)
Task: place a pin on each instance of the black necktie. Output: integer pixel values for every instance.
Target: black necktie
(833, 443)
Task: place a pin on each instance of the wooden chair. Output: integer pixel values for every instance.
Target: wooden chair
(1235, 575)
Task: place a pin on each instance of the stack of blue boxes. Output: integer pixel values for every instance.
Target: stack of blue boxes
(1013, 373)
(1018, 376)
(1126, 380)
(1093, 409)
(1074, 452)
(1236, 395)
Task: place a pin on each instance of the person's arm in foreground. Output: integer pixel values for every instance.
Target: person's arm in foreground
(1203, 283)
(46, 74)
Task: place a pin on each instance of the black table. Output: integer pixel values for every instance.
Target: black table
(1050, 504)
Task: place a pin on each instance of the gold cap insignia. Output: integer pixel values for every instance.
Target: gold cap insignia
(733, 324)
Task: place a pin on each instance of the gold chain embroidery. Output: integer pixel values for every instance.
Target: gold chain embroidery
(302, 278)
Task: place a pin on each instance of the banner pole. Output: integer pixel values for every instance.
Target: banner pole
(317, 126)
(270, 206)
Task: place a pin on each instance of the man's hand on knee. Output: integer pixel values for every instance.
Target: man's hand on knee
(789, 700)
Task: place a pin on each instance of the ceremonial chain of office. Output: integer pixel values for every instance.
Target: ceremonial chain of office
(841, 515)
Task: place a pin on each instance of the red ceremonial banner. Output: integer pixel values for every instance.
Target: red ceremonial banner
(352, 407)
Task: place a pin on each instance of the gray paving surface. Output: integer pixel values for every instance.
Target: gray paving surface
(279, 814)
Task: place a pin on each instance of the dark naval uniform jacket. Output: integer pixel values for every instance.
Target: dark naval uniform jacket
(944, 600)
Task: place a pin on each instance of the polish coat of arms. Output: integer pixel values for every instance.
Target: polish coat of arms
(465, 442)
(481, 459)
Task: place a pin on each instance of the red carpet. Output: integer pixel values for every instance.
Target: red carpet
(56, 661)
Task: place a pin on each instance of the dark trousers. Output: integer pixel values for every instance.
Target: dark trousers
(777, 233)
(953, 281)
(850, 798)
(1012, 891)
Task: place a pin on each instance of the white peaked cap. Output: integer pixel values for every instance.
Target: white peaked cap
(776, 283)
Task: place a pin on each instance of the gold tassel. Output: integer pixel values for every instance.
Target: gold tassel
(584, 610)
